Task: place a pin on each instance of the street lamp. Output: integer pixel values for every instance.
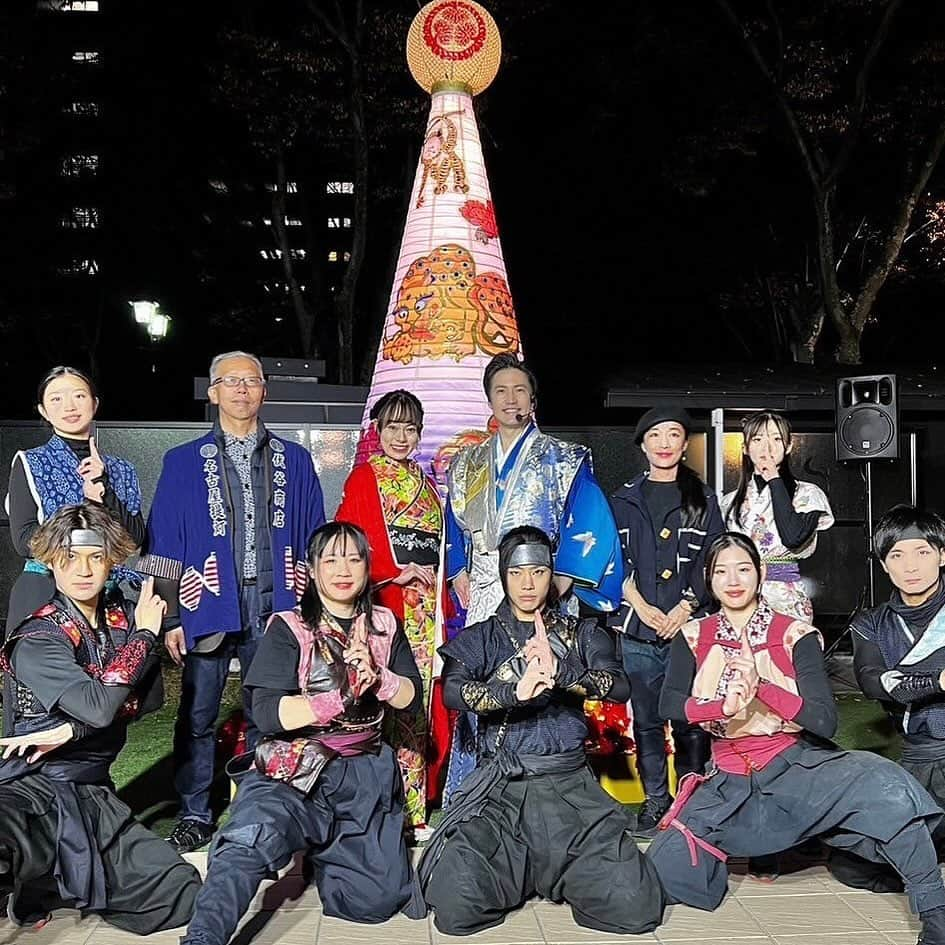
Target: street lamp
(157, 326)
(144, 311)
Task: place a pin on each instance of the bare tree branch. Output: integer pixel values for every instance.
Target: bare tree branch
(858, 110)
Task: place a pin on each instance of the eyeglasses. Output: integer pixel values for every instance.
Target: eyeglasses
(231, 380)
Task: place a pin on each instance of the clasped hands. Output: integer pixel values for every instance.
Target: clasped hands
(541, 665)
(743, 686)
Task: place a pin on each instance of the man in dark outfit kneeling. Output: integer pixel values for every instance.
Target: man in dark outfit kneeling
(78, 671)
(531, 819)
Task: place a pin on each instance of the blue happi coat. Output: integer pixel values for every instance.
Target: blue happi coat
(190, 532)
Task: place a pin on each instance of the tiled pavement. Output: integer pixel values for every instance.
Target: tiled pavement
(806, 907)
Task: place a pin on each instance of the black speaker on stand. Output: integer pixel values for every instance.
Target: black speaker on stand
(866, 418)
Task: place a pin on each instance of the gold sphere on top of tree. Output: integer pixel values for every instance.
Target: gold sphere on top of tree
(454, 44)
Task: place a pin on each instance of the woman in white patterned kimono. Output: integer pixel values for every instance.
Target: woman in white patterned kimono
(780, 514)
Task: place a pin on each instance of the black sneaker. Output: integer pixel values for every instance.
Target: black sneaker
(189, 835)
(650, 815)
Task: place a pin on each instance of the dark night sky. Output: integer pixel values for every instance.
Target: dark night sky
(620, 235)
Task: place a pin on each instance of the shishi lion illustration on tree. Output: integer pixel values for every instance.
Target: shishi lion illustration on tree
(444, 309)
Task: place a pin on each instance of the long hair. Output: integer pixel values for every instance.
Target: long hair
(526, 535)
(752, 426)
(334, 536)
(51, 541)
(730, 540)
(692, 493)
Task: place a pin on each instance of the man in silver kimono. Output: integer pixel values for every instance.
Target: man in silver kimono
(521, 476)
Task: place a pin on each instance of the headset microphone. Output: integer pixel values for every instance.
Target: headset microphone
(519, 417)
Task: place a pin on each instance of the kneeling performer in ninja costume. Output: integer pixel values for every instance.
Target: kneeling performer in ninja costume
(531, 819)
(78, 671)
(322, 781)
(755, 680)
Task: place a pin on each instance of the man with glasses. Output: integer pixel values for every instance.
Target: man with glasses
(227, 540)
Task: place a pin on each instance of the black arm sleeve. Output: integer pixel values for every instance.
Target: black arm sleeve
(462, 690)
(46, 664)
(869, 666)
(795, 528)
(402, 663)
(24, 515)
(677, 684)
(818, 714)
(131, 522)
(274, 673)
(592, 668)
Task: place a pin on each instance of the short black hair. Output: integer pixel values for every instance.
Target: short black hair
(398, 406)
(507, 360)
(525, 535)
(906, 521)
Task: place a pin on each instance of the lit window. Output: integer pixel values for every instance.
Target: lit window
(80, 267)
(248, 223)
(293, 221)
(271, 253)
(297, 253)
(79, 6)
(81, 218)
(89, 57)
(346, 256)
(81, 109)
(346, 223)
(339, 187)
(291, 187)
(333, 255)
(267, 221)
(218, 186)
(76, 164)
(334, 223)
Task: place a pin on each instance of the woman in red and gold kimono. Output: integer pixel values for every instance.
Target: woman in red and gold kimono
(398, 508)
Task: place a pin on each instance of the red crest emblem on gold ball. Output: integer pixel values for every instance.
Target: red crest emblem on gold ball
(454, 30)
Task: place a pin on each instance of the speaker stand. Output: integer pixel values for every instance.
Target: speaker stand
(869, 533)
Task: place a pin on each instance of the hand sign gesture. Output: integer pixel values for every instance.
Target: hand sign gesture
(92, 471)
(743, 686)
(149, 611)
(539, 675)
(539, 648)
(362, 672)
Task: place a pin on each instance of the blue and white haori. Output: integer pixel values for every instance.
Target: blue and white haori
(190, 532)
(543, 482)
(54, 482)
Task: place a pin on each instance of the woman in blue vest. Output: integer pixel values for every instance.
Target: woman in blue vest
(66, 470)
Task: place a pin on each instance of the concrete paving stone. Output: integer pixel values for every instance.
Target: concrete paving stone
(66, 927)
(558, 928)
(814, 914)
(887, 912)
(397, 931)
(843, 938)
(520, 928)
(813, 880)
(731, 921)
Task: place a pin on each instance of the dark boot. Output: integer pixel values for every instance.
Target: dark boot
(650, 815)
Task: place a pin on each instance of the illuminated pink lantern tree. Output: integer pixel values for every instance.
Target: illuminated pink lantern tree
(450, 306)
